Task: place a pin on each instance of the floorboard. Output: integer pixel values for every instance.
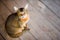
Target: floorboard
(53, 5)
(44, 20)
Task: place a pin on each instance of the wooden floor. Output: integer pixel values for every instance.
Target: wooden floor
(44, 21)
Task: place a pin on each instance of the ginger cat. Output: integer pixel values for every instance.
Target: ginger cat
(16, 23)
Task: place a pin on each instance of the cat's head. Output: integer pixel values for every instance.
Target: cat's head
(21, 11)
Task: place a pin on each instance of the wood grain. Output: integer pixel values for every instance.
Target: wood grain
(53, 5)
(44, 21)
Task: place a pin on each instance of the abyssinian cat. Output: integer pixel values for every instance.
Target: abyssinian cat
(16, 23)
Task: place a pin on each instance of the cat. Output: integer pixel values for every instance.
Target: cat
(16, 23)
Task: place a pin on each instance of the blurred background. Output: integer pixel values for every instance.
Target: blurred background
(44, 21)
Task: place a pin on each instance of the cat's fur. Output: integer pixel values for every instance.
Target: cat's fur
(17, 23)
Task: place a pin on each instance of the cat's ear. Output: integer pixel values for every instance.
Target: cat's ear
(15, 8)
(26, 6)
